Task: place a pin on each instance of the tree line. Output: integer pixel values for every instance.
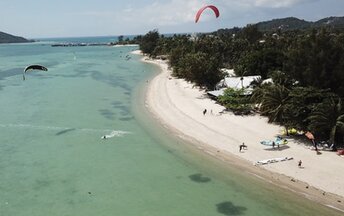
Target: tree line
(306, 67)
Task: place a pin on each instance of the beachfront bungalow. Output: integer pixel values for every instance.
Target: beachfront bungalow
(228, 72)
(237, 82)
(234, 83)
(162, 57)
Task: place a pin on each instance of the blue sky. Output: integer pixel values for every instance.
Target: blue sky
(62, 18)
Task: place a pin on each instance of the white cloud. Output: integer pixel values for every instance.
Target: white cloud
(183, 11)
(176, 12)
(179, 14)
(133, 19)
(170, 13)
(278, 3)
(264, 3)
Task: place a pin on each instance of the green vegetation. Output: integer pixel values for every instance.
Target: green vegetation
(328, 118)
(149, 42)
(306, 66)
(236, 101)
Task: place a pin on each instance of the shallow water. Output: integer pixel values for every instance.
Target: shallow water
(54, 162)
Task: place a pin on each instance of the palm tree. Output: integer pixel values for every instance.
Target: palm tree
(328, 117)
(273, 102)
(259, 90)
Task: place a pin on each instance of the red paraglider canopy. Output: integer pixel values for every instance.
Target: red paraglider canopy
(200, 11)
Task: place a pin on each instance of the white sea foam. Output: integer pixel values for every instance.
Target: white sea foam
(111, 133)
(115, 133)
(37, 127)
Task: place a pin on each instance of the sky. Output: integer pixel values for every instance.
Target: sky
(74, 18)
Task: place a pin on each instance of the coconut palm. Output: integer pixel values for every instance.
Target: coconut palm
(328, 117)
(259, 89)
(273, 102)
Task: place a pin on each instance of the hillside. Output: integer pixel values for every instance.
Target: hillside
(289, 23)
(7, 38)
(336, 22)
(292, 23)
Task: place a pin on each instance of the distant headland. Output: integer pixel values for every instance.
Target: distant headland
(7, 38)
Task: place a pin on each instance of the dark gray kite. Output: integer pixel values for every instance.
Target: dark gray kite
(34, 67)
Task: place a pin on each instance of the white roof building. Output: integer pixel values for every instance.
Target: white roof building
(234, 83)
(228, 72)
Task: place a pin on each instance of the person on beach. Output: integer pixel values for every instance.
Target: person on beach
(273, 144)
(242, 146)
(300, 163)
(315, 145)
(204, 111)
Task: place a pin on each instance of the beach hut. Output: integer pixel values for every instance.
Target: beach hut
(215, 94)
(234, 83)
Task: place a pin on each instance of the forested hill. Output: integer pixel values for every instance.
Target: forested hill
(292, 23)
(7, 38)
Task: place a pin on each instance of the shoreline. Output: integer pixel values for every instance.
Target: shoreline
(219, 135)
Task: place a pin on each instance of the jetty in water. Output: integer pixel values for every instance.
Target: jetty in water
(80, 44)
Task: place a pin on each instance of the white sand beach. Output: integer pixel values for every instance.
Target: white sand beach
(125, 45)
(179, 106)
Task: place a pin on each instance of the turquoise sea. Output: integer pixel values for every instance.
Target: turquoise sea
(54, 162)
